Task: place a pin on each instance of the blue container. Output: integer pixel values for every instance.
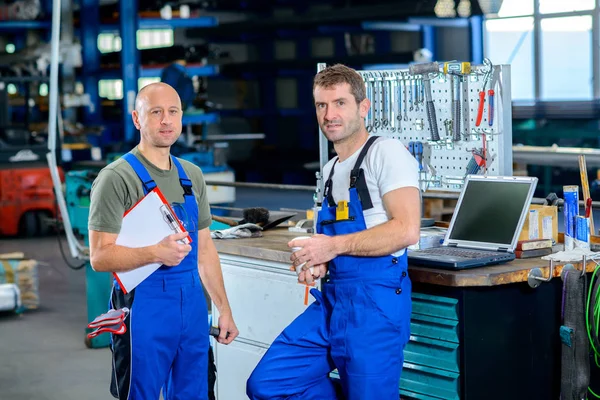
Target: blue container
(582, 232)
(570, 211)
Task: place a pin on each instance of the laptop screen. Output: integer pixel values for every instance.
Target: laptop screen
(491, 210)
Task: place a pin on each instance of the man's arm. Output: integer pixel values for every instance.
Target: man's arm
(107, 256)
(209, 268)
(403, 206)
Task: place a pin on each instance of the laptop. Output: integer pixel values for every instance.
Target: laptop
(485, 226)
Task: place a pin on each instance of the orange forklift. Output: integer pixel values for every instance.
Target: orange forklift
(27, 200)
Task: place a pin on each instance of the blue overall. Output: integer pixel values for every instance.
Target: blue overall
(358, 324)
(167, 330)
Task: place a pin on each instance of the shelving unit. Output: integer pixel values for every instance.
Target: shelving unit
(131, 68)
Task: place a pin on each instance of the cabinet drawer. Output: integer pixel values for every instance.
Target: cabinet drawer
(432, 353)
(434, 328)
(426, 381)
(435, 306)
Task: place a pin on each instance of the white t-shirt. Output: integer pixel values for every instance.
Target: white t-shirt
(387, 166)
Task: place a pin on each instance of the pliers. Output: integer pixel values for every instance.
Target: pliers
(487, 77)
(416, 149)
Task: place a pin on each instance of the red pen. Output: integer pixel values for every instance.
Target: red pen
(588, 207)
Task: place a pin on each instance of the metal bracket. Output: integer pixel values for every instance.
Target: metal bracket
(567, 268)
(535, 276)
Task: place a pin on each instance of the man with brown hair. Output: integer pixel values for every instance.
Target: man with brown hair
(360, 322)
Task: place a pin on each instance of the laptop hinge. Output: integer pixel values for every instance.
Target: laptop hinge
(503, 249)
(452, 244)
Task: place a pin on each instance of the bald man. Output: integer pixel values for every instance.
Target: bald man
(166, 345)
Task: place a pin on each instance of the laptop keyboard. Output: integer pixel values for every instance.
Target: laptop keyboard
(455, 252)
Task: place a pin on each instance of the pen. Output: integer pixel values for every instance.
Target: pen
(172, 222)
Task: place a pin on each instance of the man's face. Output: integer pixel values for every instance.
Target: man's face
(337, 112)
(159, 117)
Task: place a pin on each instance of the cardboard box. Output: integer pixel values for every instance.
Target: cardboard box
(23, 273)
(541, 223)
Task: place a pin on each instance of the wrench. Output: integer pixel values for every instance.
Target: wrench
(405, 94)
(384, 102)
(392, 100)
(399, 99)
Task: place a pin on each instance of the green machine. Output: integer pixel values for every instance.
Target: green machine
(98, 284)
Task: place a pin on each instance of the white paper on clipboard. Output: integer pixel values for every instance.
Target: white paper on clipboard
(145, 224)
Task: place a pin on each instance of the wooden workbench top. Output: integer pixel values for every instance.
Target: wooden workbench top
(273, 247)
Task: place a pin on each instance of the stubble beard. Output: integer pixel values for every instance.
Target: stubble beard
(350, 130)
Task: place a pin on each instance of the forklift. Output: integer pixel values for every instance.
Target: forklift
(27, 199)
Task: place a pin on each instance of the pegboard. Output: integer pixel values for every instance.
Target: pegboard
(398, 110)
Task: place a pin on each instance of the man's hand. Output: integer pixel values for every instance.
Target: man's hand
(171, 250)
(228, 329)
(308, 276)
(319, 249)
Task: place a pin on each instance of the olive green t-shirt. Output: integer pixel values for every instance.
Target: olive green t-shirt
(117, 188)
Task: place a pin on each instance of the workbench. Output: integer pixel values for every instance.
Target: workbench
(479, 333)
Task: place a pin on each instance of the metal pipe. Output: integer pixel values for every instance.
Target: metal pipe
(307, 188)
(276, 186)
(76, 249)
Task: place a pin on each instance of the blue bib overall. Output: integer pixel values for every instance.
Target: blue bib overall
(166, 343)
(358, 324)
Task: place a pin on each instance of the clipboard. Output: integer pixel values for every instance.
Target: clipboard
(148, 222)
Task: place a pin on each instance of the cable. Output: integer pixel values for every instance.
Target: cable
(593, 326)
(60, 245)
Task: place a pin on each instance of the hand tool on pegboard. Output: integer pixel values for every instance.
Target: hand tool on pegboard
(428, 71)
(476, 162)
(487, 78)
(416, 149)
(456, 70)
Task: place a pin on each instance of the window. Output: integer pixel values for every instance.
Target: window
(109, 42)
(556, 6)
(145, 81)
(112, 89)
(512, 8)
(154, 38)
(565, 44)
(560, 55)
(510, 41)
(146, 39)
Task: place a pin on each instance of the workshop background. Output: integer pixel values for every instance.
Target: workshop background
(244, 70)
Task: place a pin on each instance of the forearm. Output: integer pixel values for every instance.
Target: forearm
(380, 240)
(209, 268)
(115, 258)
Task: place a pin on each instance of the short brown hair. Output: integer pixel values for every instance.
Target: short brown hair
(338, 74)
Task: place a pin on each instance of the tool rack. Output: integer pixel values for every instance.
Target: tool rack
(445, 154)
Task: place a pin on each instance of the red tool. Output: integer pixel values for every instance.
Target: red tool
(483, 152)
(491, 107)
(486, 79)
(588, 207)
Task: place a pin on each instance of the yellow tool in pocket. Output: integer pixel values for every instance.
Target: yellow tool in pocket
(341, 212)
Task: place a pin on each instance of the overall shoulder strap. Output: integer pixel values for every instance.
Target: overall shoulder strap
(184, 181)
(357, 176)
(147, 182)
(329, 184)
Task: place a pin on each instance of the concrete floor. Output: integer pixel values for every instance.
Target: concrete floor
(42, 353)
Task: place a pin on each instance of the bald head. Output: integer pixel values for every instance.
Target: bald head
(154, 90)
(158, 115)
